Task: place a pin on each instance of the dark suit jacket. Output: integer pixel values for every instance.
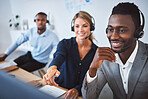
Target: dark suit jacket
(110, 73)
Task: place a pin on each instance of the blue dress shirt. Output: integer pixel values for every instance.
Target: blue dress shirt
(42, 44)
(72, 68)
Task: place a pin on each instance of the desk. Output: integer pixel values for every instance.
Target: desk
(27, 77)
(24, 75)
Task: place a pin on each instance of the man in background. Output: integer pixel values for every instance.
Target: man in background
(41, 39)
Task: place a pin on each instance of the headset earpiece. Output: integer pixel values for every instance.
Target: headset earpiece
(72, 28)
(139, 31)
(106, 30)
(47, 21)
(141, 34)
(92, 28)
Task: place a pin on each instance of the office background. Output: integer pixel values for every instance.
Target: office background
(60, 14)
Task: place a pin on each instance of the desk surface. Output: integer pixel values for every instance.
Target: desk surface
(27, 77)
(24, 75)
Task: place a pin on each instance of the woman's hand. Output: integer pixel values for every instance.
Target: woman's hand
(71, 94)
(102, 53)
(49, 76)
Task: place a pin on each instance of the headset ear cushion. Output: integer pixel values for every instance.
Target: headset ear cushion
(106, 30)
(34, 20)
(137, 32)
(92, 28)
(47, 21)
(141, 34)
(72, 28)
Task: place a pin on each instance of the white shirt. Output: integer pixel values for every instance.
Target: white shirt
(124, 68)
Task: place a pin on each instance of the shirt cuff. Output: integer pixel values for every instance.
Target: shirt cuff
(88, 78)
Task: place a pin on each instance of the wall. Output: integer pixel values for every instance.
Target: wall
(62, 13)
(5, 14)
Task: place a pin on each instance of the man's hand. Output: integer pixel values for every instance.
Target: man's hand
(71, 94)
(49, 76)
(102, 53)
(3, 57)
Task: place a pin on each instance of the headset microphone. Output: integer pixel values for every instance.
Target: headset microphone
(126, 47)
(88, 36)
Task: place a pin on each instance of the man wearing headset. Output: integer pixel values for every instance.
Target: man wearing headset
(124, 66)
(41, 39)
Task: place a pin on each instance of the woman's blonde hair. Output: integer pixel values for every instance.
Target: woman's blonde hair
(88, 18)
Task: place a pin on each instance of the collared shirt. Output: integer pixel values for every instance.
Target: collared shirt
(42, 44)
(72, 68)
(124, 68)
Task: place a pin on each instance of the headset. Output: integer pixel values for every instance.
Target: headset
(139, 31)
(92, 26)
(47, 21)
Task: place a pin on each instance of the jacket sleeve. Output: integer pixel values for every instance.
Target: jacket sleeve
(92, 90)
(78, 87)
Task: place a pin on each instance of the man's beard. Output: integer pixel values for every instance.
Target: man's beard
(41, 29)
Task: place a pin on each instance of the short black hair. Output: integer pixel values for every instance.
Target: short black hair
(126, 8)
(41, 13)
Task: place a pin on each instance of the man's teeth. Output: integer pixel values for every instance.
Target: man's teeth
(115, 43)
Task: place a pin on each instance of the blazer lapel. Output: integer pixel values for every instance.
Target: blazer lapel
(136, 69)
(118, 79)
(115, 81)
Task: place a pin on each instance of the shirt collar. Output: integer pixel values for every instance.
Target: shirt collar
(44, 33)
(131, 58)
(133, 55)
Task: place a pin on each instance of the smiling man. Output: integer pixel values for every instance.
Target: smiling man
(41, 39)
(124, 66)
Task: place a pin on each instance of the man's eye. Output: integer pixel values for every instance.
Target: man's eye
(122, 31)
(38, 20)
(110, 30)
